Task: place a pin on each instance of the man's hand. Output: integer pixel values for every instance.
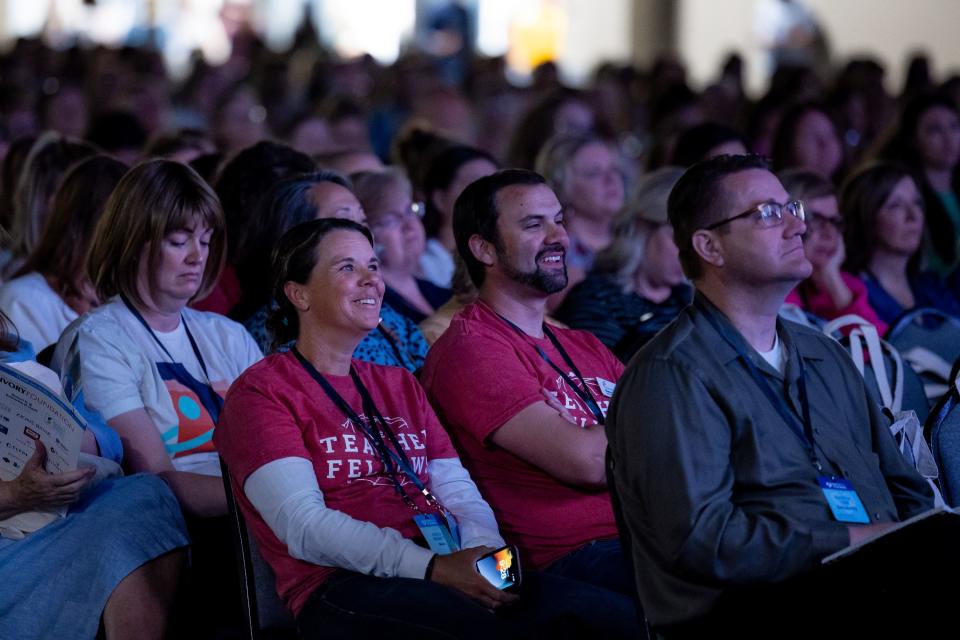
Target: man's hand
(459, 570)
(554, 403)
(36, 489)
(859, 533)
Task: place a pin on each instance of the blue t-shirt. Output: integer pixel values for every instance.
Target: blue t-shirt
(928, 290)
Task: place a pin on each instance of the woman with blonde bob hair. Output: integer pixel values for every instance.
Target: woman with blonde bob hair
(156, 369)
(636, 285)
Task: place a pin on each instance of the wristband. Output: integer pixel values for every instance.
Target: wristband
(428, 574)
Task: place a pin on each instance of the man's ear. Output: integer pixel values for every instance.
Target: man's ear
(297, 295)
(708, 247)
(482, 250)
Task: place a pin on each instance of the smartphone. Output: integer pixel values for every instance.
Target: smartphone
(501, 568)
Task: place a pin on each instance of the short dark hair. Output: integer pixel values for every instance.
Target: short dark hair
(694, 143)
(475, 213)
(293, 259)
(699, 199)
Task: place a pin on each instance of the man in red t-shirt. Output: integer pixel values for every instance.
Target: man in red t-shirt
(524, 403)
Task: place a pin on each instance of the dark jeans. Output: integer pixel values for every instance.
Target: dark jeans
(350, 604)
(602, 567)
(600, 563)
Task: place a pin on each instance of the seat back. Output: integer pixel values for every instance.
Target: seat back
(265, 613)
(944, 429)
(930, 341)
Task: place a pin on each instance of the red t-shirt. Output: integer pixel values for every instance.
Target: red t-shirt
(275, 409)
(481, 373)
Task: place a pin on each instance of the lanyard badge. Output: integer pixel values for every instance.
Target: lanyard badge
(443, 536)
(842, 498)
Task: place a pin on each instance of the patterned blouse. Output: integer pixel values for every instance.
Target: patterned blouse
(397, 342)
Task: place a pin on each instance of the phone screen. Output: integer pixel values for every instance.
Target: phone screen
(501, 568)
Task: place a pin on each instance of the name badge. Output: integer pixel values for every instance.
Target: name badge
(606, 387)
(438, 535)
(843, 500)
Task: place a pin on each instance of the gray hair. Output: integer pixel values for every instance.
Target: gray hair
(646, 209)
(556, 154)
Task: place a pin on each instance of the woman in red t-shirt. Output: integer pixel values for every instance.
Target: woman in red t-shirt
(332, 458)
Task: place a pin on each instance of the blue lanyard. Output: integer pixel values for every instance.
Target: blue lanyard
(193, 343)
(802, 428)
(392, 459)
(584, 393)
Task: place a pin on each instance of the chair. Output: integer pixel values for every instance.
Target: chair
(266, 616)
(930, 341)
(944, 429)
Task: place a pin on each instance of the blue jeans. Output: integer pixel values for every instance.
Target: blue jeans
(350, 604)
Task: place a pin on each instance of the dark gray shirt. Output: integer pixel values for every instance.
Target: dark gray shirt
(717, 490)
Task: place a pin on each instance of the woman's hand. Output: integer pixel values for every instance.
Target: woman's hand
(828, 278)
(459, 570)
(35, 489)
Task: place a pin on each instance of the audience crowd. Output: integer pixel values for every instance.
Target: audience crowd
(394, 310)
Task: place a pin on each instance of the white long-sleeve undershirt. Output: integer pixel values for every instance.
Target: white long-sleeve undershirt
(286, 494)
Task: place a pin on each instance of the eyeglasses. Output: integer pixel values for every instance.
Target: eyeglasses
(394, 218)
(768, 214)
(820, 221)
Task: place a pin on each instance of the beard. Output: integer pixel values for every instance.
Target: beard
(544, 281)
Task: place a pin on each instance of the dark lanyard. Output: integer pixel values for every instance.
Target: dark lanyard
(802, 428)
(193, 343)
(392, 460)
(584, 393)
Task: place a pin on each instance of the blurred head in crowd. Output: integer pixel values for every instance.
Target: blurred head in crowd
(182, 145)
(349, 162)
(642, 256)
(449, 174)
(823, 218)
(290, 202)
(927, 141)
(244, 180)
(394, 218)
(414, 147)
(564, 111)
(239, 119)
(12, 167)
(63, 108)
(705, 141)
(61, 253)
(586, 174)
(883, 213)
(118, 133)
(46, 163)
(807, 139)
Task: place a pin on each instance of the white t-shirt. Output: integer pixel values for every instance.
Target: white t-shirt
(114, 360)
(37, 311)
(774, 357)
(436, 264)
